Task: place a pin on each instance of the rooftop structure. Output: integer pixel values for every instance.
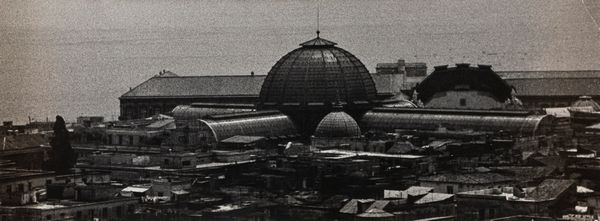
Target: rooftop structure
(337, 124)
(513, 122)
(315, 76)
(269, 124)
(463, 77)
(586, 101)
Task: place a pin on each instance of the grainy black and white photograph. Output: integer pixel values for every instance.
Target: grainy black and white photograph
(276, 110)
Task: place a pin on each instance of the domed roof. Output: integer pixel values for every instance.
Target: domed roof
(461, 77)
(586, 101)
(317, 74)
(337, 124)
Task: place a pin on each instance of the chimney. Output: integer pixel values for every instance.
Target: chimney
(252, 73)
(401, 66)
(361, 206)
(7, 123)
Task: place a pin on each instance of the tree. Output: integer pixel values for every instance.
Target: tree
(62, 156)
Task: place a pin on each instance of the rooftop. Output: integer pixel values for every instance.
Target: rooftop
(468, 178)
(198, 86)
(22, 141)
(343, 154)
(434, 197)
(549, 189)
(9, 175)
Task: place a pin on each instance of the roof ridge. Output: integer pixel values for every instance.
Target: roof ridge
(139, 85)
(194, 76)
(548, 71)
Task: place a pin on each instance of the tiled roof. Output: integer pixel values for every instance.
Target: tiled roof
(22, 141)
(550, 189)
(198, 86)
(417, 190)
(525, 173)
(226, 85)
(352, 206)
(548, 74)
(470, 178)
(379, 204)
(553, 83)
(375, 213)
(434, 197)
(556, 86)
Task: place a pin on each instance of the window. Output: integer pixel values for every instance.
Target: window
(29, 186)
(186, 163)
(48, 217)
(104, 212)
(160, 194)
(8, 188)
(481, 214)
(119, 210)
(21, 187)
(166, 162)
(62, 215)
(78, 215)
(130, 140)
(48, 182)
(450, 189)
(463, 102)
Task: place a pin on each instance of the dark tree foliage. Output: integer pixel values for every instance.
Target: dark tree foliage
(62, 156)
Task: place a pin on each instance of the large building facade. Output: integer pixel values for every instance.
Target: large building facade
(323, 94)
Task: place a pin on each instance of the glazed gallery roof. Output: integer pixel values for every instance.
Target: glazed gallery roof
(268, 124)
(463, 76)
(514, 122)
(317, 73)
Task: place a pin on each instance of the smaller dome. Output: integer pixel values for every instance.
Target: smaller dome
(337, 124)
(586, 101)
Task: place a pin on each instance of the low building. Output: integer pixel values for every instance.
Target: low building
(163, 92)
(550, 198)
(21, 187)
(114, 209)
(26, 151)
(454, 183)
(542, 89)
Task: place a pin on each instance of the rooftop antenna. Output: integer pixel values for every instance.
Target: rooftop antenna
(318, 13)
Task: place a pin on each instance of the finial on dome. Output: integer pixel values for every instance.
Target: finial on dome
(318, 32)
